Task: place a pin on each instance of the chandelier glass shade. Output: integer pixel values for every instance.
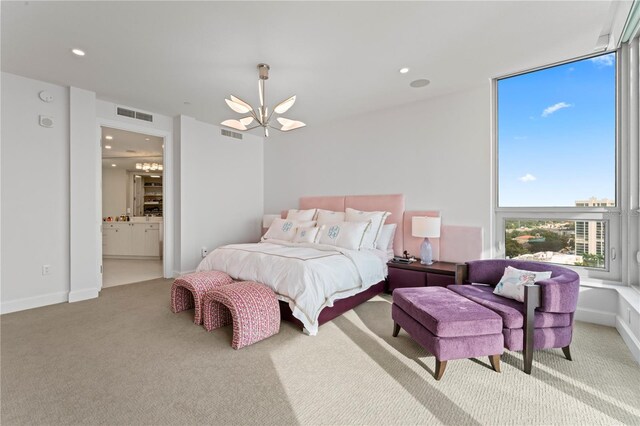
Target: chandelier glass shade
(149, 167)
(261, 117)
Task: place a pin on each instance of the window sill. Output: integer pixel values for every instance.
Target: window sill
(627, 292)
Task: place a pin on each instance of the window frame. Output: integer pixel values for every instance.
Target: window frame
(612, 273)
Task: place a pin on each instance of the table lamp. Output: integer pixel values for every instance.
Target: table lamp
(426, 227)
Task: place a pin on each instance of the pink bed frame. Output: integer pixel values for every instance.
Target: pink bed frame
(456, 243)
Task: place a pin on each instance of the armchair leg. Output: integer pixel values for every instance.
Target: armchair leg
(567, 352)
(440, 367)
(531, 302)
(396, 329)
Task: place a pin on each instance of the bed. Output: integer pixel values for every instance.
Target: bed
(315, 283)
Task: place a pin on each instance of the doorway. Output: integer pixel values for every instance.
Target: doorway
(132, 206)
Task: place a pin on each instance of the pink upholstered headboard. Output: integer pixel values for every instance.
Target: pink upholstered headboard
(388, 203)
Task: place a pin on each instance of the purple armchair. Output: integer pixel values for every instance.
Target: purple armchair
(543, 321)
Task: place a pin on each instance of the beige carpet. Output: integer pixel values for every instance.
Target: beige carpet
(126, 359)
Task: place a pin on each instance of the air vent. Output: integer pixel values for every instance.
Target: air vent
(143, 116)
(135, 114)
(231, 134)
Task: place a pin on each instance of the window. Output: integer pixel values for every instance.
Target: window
(557, 174)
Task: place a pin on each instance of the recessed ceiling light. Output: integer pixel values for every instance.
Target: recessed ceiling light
(113, 165)
(107, 147)
(154, 176)
(78, 52)
(108, 137)
(147, 139)
(404, 70)
(419, 83)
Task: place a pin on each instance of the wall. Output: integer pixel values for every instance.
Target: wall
(114, 191)
(35, 195)
(436, 152)
(85, 239)
(221, 189)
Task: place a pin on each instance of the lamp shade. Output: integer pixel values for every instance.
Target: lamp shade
(268, 219)
(425, 226)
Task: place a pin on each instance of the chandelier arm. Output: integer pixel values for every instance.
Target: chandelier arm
(254, 127)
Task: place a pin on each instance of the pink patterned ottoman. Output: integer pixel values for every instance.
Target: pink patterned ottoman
(251, 307)
(188, 291)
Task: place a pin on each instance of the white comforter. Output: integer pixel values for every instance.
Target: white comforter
(308, 276)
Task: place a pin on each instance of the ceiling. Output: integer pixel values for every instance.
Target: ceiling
(129, 148)
(340, 58)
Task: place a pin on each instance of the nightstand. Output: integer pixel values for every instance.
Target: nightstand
(418, 275)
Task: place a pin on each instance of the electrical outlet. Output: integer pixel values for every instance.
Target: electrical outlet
(46, 269)
(203, 252)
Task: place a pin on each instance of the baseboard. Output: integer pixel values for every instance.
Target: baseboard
(596, 317)
(33, 302)
(178, 273)
(77, 296)
(627, 335)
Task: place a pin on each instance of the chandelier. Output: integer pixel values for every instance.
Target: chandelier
(149, 167)
(262, 117)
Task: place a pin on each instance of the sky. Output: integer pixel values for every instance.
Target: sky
(556, 134)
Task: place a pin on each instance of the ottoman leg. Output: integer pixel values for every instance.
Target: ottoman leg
(396, 329)
(567, 352)
(440, 367)
(495, 362)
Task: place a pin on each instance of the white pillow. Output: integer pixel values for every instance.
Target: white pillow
(348, 235)
(377, 220)
(306, 235)
(301, 215)
(512, 283)
(385, 241)
(327, 216)
(285, 229)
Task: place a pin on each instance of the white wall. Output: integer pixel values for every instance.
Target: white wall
(436, 152)
(221, 189)
(35, 195)
(114, 191)
(85, 236)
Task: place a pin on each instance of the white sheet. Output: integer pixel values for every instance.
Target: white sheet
(309, 277)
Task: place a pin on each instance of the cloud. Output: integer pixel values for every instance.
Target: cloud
(604, 60)
(527, 178)
(553, 108)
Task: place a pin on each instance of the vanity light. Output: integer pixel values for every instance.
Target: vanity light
(77, 52)
(107, 147)
(404, 70)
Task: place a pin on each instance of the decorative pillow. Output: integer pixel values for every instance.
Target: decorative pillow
(385, 241)
(285, 229)
(512, 283)
(301, 215)
(348, 235)
(327, 216)
(377, 220)
(306, 235)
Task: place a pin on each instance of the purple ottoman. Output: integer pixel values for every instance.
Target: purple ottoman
(447, 325)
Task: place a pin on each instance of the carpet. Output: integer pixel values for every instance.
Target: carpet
(124, 358)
